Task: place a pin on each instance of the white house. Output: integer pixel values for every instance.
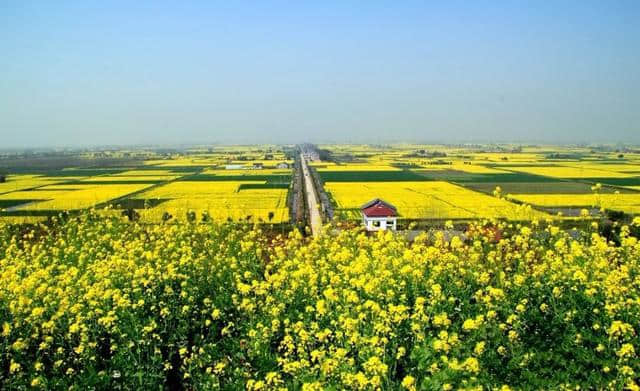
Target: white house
(378, 215)
(282, 165)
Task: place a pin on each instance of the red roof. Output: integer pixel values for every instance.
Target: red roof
(378, 208)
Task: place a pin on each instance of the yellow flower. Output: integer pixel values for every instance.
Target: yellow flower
(315, 386)
(471, 364)
(619, 328)
(409, 382)
(469, 325)
(14, 367)
(273, 378)
(479, 348)
(626, 351)
(441, 319)
(321, 307)
(6, 329)
(513, 335)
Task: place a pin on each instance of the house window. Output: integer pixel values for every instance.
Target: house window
(376, 223)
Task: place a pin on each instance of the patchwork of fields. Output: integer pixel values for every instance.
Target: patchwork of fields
(439, 182)
(155, 190)
(253, 183)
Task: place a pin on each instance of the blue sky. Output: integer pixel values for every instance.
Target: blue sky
(122, 72)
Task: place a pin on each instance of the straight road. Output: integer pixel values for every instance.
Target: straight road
(312, 199)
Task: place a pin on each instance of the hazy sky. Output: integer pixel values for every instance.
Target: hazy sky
(123, 72)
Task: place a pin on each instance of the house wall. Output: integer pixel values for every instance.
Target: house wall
(384, 223)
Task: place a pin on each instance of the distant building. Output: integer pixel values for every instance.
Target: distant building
(282, 165)
(378, 215)
(257, 166)
(233, 167)
(312, 156)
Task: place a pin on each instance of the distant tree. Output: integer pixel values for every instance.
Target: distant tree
(621, 156)
(166, 216)
(205, 216)
(271, 215)
(191, 216)
(131, 214)
(3, 179)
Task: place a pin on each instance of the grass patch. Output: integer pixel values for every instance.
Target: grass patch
(32, 213)
(4, 204)
(371, 176)
(262, 186)
(468, 177)
(616, 181)
(271, 179)
(508, 178)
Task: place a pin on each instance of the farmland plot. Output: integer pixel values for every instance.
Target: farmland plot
(221, 200)
(426, 200)
(70, 197)
(570, 172)
(628, 203)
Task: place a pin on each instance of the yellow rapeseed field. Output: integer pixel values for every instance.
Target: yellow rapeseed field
(570, 172)
(22, 182)
(155, 173)
(356, 167)
(71, 197)
(219, 199)
(184, 162)
(102, 303)
(428, 200)
(475, 168)
(113, 178)
(629, 203)
(622, 167)
(223, 172)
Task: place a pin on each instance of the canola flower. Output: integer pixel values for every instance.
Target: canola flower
(426, 199)
(99, 302)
